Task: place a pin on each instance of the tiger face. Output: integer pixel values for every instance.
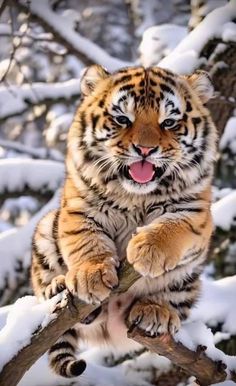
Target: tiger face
(142, 127)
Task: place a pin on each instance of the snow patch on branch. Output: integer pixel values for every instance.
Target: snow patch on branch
(17, 173)
(228, 139)
(16, 99)
(224, 211)
(158, 42)
(185, 57)
(22, 321)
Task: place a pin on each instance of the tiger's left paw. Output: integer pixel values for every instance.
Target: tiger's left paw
(56, 286)
(150, 255)
(154, 319)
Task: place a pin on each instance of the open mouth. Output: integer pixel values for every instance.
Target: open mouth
(142, 172)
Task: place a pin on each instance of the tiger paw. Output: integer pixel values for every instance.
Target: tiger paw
(56, 286)
(150, 255)
(92, 282)
(154, 319)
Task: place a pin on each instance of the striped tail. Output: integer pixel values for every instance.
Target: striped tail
(62, 358)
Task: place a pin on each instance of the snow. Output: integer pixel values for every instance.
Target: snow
(15, 247)
(42, 153)
(15, 99)
(57, 127)
(217, 304)
(23, 319)
(138, 372)
(220, 193)
(229, 32)
(226, 383)
(191, 335)
(159, 41)
(228, 139)
(65, 28)
(185, 57)
(15, 174)
(15, 243)
(224, 211)
(5, 29)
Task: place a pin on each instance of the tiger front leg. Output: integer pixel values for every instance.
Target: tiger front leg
(90, 256)
(47, 268)
(171, 240)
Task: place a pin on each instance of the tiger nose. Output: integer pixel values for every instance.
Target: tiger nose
(144, 150)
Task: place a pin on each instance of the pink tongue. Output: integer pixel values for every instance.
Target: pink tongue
(141, 171)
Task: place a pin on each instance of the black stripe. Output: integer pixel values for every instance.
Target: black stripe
(166, 88)
(75, 232)
(59, 357)
(40, 257)
(185, 285)
(188, 303)
(124, 78)
(90, 157)
(95, 119)
(191, 227)
(196, 121)
(83, 121)
(61, 345)
(127, 87)
(78, 248)
(188, 106)
(55, 235)
(63, 368)
(194, 210)
(76, 212)
(72, 332)
(101, 103)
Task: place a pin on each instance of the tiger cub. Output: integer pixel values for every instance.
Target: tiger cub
(139, 166)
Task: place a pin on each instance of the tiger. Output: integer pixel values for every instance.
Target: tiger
(139, 166)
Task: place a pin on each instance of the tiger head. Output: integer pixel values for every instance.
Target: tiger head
(144, 126)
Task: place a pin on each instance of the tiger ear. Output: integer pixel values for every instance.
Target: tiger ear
(90, 78)
(201, 83)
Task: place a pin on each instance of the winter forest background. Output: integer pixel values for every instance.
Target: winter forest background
(44, 46)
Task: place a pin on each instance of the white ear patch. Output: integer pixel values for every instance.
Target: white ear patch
(201, 84)
(90, 77)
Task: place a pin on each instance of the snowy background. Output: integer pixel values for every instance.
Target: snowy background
(44, 46)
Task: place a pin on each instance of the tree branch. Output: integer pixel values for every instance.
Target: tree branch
(64, 33)
(14, 100)
(195, 363)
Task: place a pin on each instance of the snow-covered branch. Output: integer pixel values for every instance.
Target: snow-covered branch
(63, 30)
(40, 153)
(16, 99)
(16, 174)
(72, 310)
(184, 58)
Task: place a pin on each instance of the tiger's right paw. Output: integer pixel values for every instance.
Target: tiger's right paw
(93, 281)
